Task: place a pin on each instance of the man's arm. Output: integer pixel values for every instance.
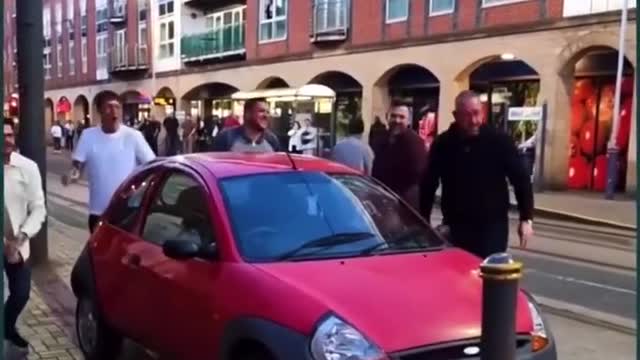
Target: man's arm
(37, 211)
(431, 179)
(517, 175)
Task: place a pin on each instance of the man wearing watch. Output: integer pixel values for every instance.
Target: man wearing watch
(24, 214)
(472, 162)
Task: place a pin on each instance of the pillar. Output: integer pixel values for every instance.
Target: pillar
(632, 174)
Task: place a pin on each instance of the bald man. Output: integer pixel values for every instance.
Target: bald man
(472, 162)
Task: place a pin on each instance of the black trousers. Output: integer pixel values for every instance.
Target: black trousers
(57, 143)
(93, 221)
(481, 238)
(19, 278)
(69, 143)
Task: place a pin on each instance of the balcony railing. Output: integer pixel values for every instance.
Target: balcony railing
(330, 20)
(590, 7)
(226, 41)
(129, 58)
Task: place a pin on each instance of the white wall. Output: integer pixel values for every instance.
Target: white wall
(190, 25)
(586, 7)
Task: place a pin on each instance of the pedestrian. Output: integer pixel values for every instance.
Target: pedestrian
(172, 144)
(472, 161)
(56, 134)
(400, 162)
(150, 130)
(352, 150)
(69, 135)
(295, 141)
(24, 214)
(188, 134)
(378, 136)
(109, 153)
(253, 135)
(308, 138)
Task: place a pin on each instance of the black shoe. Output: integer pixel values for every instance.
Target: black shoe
(18, 341)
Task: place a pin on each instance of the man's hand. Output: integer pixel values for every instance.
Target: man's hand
(11, 252)
(525, 232)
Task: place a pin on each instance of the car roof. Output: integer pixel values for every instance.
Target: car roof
(229, 164)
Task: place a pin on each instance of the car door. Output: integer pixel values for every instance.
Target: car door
(180, 314)
(114, 267)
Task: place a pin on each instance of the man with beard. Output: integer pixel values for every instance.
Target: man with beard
(400, 163)
(24, 214)
(472, 161)
(253, 135)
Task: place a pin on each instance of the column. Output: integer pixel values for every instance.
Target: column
(632, 176)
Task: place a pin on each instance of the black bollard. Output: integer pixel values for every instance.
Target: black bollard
(500, 274)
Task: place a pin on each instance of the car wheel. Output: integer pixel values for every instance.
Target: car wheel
(97, 341)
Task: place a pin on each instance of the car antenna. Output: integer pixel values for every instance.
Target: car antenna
(293, 163)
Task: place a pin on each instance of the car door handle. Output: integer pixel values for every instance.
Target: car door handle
(133, 260)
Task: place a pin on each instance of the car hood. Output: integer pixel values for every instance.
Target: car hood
(398, 301)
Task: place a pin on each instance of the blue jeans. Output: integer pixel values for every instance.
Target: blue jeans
(19, 278)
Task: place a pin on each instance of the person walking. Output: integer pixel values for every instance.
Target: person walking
(56, 134)
(352, 150)
(109, 153)
(69, 134)
(188, 135)
(472, 161)
(253, 135)
(378, 136)
(24, 214)
(172, 145)
(400, 162)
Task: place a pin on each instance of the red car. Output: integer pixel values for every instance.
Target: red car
(278, 257)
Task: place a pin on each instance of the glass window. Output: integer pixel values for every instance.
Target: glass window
(273, 20)
(330, 15)
(498, 2)
(126, 207)
(167, 39)
(84, 52)
(273, 214)
(72, 58)
(397, 10)
(439, 7)
(165, 7)
(179, 212)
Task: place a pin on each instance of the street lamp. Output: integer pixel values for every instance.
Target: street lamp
(613, 151)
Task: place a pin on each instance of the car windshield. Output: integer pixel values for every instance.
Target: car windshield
(305, 215)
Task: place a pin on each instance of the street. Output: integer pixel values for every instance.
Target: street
(583, 276)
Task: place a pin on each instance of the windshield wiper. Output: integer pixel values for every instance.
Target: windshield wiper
(404, 238)
(327, 242)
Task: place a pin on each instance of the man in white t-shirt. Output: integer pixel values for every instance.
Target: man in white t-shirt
(109, 153)
(56, 134)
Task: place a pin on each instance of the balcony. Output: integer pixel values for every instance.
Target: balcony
(212, 4)
(129, 58)
(592, 7)
(227, 41)
(330, 20)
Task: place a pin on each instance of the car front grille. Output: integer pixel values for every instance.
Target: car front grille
(455, 350)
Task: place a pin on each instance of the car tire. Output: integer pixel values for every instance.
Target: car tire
(96, 339)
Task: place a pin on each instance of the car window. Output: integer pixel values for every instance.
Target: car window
(126, 208)
(179, 212)
(273, 214)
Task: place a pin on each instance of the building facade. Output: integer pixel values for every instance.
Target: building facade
(191, 55)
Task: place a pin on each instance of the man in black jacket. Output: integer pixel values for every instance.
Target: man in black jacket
(472, 161)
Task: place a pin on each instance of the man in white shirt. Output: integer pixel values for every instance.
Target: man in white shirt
(25, 212)
(56, 133)
(109, 153)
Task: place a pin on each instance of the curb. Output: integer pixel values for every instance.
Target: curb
(580, 219)
(588, 316)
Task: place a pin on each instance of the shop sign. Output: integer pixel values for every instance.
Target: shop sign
(526, 113)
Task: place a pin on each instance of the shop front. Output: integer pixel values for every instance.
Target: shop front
(63, 109)
(136, 107)
(165, 106)
(592, 110)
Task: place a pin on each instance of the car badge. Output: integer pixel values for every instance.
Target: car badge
(471, 350)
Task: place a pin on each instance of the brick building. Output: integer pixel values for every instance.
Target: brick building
(191, 55)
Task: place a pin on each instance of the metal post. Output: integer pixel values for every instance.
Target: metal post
(613, 151)
(31, 89)
(500, 274)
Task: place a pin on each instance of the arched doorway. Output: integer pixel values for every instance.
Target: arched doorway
(348, 102)
(164, 103)
(136, 106)
(592, 111)
(81, 110)
(63, 109)
(420, 89)
(272, 82)
(212, 99)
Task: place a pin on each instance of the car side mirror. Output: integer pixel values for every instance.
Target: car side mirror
(181, 249)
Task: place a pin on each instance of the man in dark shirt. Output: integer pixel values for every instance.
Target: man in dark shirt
(253, 135)
(472, 161)
(400, 162)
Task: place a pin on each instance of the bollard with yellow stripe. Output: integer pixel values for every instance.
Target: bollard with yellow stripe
(500, 283)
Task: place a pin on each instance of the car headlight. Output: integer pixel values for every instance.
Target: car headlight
(539, 336)
(336, 340)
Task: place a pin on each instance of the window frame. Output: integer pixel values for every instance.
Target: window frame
(72, 57)
(84, 52)
(273, 23)
(162, 176)
(441, 12)
(168, 43)
(152, 177)
(341, 11)
(396, 20)
(165, 4)
(492, 3)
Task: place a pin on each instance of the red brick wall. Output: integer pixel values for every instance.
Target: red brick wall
(522, 12)
(466, 14)
(417, 17)
(554, 8)
(300, 15)
(367, 21)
